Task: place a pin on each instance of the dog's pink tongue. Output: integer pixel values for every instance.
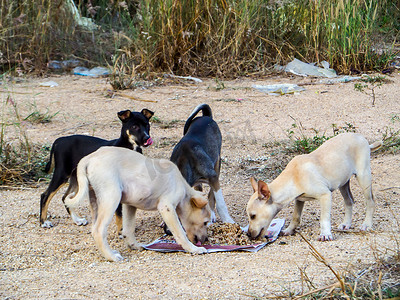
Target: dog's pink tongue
(149, 142)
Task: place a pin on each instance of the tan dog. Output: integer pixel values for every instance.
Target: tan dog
(121, 175)
(313, 177)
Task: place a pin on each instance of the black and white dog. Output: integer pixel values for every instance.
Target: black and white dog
(66, 153)
(198, 157)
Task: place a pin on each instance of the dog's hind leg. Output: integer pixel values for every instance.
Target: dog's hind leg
(220, 204)
(348, 206)
(129, 225)
(364, 180)
(118, 219)
(73, 188)
(211, 201)
(56, 183)
(298, 209)
(105, 212)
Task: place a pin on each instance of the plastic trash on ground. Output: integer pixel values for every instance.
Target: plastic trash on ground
(95, 72)
(279, 89)
(341, 79)
(198, 80)
(63, 64)
(48, 84)
(298, 67)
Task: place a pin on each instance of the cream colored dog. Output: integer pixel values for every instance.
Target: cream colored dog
(313, 177)
(121, 175)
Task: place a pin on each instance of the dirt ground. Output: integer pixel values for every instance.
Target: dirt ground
(63, 262)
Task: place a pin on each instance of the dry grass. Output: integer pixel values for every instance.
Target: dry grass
(204, 38)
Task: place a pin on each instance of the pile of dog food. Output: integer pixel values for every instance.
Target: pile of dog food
(227, 234)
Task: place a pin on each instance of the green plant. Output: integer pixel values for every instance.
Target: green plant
(165, 124)
(219, 84)
(391, 136)
(370, 83)
(303, 143)
(38, 116)
(20, 160)
(123, 74)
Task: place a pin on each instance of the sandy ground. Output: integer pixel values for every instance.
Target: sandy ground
(63, 262)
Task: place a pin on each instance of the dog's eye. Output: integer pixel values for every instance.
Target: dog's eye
(135, 127)
(205, 223)
(252, 217)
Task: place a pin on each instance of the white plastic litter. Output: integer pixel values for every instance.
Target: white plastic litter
(48, 84)
(279, 89)
(300, 68)
(341, 79)
(186, 77)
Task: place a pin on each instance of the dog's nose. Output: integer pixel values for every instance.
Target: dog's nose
(201, 239)
(253, 235)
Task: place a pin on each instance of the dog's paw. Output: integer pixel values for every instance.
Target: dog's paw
(80, 221)
(198, 250)
(138, 247)
(287, 231)
(47, 224)
(325, 237)
(366, 227)
(116, 256)
(344, 226)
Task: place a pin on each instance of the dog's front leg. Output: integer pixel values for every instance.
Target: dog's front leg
(326, 205)
(170, 217)
(129, 225)
(298, 208)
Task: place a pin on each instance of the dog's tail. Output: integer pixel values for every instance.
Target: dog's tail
(50, 165)
(73, 199)
(205, 108)
(375, 146)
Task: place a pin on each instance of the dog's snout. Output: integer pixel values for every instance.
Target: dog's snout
(200, 239)
(254, 234)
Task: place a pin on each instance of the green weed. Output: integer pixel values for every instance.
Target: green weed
(302, 143)
(165, 124)
(391, 135)
(20, 160)
(370, 83)
(38, 116)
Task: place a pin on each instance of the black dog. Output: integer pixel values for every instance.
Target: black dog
(67, 151)
(198, 157)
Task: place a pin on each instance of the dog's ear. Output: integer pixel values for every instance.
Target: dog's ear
(254, 184)
(124, 115)
(199, 201)
(263, 191)
(147, 113)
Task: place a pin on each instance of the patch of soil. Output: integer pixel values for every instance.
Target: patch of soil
(63, 262)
